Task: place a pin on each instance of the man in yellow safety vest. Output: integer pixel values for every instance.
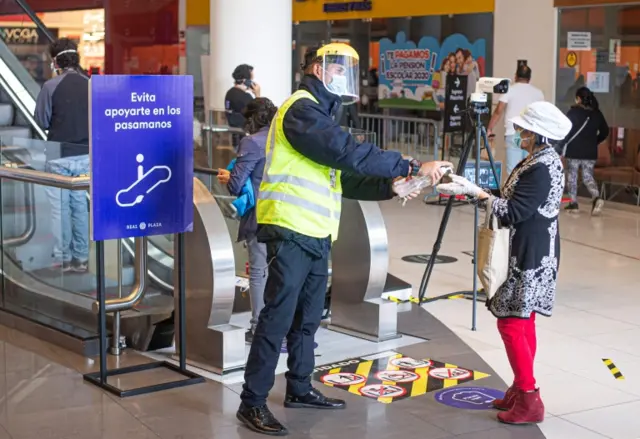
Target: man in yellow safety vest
(310, 164)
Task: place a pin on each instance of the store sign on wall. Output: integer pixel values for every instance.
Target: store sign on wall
(22, 35)
(357, 6)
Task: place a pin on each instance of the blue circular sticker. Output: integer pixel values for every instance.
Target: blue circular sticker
(469, 398)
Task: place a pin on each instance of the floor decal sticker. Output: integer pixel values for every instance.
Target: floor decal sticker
(392, 377)
(469, 398)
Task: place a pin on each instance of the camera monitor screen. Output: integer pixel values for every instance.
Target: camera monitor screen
(487, 179)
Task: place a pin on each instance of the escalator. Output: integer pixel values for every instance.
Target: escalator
(33, 287)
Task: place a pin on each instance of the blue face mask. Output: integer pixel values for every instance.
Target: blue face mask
(517, 139)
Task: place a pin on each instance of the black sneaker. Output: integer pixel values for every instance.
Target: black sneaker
(79, 266)
(313, 400)
(66, 266)
(572, 207)
(261, 420)
(598, 204)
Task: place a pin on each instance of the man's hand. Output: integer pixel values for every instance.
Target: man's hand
(255, 87)
(223, 176)
(434, 170)
(408, 197)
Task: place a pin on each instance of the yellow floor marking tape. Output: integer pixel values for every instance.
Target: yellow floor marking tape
(614, 370)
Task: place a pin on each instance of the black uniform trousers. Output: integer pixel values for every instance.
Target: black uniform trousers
(294, 302)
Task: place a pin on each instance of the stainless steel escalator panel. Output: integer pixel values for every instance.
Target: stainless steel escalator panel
(357, 307)
(24, 280)
(212, 343)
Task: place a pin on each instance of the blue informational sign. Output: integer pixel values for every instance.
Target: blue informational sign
(469, 398)
(141, 149)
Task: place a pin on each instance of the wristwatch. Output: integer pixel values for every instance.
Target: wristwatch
(414, 167)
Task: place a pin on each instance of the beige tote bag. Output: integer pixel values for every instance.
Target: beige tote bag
(493, 253)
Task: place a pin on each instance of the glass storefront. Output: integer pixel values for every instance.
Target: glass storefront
(599, 47)
(452, 44)
(115, 37)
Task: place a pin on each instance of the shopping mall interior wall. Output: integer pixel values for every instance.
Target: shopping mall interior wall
(525, 30)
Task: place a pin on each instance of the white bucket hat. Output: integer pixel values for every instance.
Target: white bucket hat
(545, 119)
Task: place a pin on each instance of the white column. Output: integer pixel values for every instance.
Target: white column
(251, 32)
(524, 30)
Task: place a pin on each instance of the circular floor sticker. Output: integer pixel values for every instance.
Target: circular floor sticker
(410, 363)
(424, 259)
(469, 398)
(397, 376)
(343, 379)
(449, 373)
(382, 391)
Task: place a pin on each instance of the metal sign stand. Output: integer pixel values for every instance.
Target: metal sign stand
(100, 378)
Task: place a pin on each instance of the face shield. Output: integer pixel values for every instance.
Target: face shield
(340, 76)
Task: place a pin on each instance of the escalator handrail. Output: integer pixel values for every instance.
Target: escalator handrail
(18, 99)
(29, 202)
(45, 178)
(36, 20)
(222, 129)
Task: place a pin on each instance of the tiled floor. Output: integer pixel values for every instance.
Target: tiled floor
(596, 316)
(43, 396)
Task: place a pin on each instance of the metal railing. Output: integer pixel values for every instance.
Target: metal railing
(415, 137)
(81, 184)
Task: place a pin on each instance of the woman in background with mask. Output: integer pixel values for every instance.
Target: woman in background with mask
(529, 205)
(249, 165)
(589, 130)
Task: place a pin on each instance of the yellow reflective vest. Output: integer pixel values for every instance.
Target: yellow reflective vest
(297, 193)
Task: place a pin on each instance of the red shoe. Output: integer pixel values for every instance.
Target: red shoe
(527, 409)
(507, 402)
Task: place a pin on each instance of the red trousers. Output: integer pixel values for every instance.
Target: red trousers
(519, 337)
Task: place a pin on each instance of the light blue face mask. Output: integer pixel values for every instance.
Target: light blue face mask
(517, 139)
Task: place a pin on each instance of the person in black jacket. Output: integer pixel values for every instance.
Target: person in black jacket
(62, 107)
(589, 130)
(298, 262)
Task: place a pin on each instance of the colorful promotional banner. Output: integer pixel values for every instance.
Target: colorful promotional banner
(414, 76)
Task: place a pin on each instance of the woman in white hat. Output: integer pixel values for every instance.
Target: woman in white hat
(529, 205)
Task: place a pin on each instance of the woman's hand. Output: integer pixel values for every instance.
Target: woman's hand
(223, 176)
(461, 186)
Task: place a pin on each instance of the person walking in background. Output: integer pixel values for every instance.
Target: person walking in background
(249, 166)
(62, 107)
(589, 130)
(520, 95)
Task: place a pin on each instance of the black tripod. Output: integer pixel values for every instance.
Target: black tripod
(474, 138)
